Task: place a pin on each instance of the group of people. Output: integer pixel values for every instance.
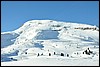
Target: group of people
(87, 51)
(62, 54)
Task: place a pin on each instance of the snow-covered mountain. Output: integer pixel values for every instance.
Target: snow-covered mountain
(50, 38)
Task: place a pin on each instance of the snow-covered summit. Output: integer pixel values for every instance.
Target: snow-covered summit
(51, 24)
(48, 36)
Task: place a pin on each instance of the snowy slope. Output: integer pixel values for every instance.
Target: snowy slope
(38, 38)
(8, 38)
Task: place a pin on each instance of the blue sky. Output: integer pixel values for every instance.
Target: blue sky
(15, 13)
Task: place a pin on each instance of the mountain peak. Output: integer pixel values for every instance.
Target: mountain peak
(49, 35)
(51, 24)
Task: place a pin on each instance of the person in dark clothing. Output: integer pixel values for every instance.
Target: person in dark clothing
(62, 54)
(67, 55)
(88, 52)
(54, 53)
(49, 54)
(38, 54)
(25, 52)
(42, 54)
(83, 52)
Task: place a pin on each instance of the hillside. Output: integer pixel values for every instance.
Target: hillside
(37, 39)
